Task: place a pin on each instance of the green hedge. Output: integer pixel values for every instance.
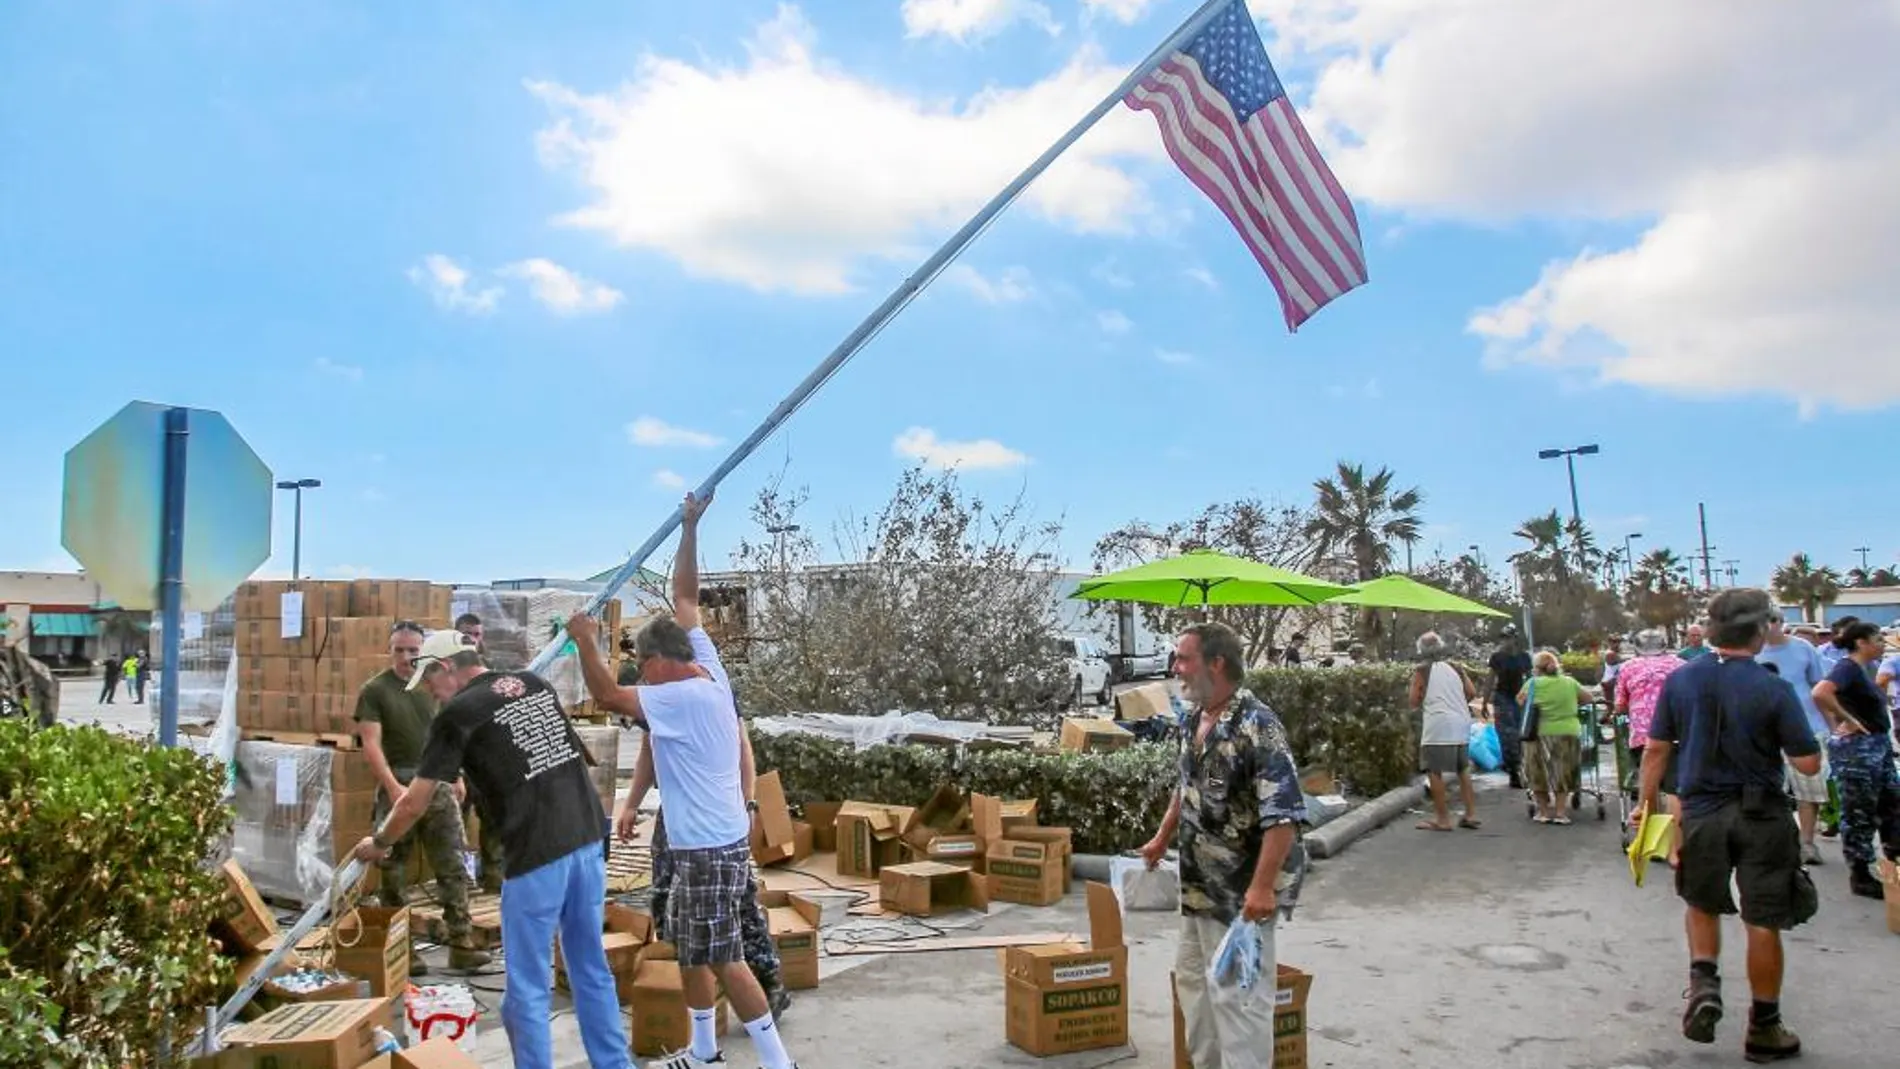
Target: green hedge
(104, 899)
(1112, 801)
(1353, 722)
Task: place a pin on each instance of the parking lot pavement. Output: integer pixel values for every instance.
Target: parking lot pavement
(1511, 946)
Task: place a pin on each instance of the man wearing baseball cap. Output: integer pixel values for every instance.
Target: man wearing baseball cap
(507, 732)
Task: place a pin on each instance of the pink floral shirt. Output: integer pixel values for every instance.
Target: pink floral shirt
(1638, 686)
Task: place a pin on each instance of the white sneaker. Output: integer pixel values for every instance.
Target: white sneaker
(684, 1059)
(1810, 854)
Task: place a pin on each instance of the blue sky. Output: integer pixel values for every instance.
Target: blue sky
(447, 256)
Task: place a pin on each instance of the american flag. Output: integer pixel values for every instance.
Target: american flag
(1226, 120)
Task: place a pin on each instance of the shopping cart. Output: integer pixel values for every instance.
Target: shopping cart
(1629, 774)
(1589, 770)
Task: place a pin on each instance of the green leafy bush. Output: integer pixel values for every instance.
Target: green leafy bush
(1585, 668)
(1354, 722)
(1112, 801)
(104, 898)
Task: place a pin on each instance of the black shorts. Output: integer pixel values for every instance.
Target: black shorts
(1761, 854)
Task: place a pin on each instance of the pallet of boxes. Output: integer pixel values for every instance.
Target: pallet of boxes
(305, 792)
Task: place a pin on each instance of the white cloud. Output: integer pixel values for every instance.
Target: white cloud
(962, 20)
(448, 282)
(1125, 12)
(1174, 356)
(351, 571)
(651, 432)
(922, 445)
(668, 479)
(1759, 152)
(1013, 284)
(561, 290)
(346, 372)
(788, 173)
(1203, 276)
(1113, 322)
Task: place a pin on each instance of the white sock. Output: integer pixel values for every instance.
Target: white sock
(705, 1043)
(765, 1041)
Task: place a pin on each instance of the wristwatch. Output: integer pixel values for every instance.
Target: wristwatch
(376, 839)
(752, 805)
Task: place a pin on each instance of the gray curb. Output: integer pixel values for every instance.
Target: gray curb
(1337, 835)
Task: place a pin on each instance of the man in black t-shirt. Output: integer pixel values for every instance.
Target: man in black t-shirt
(1734, 722)
(1510, 667)
(507, 732)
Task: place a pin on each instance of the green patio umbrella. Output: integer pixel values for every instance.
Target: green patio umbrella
(1205, 577)
(1404, 592)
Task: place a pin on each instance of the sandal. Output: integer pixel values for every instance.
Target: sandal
(1426, 825)
(1540, 820)
(1560, 820)
(1471, 823)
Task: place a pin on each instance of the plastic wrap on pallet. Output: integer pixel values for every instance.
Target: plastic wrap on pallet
(517, 623)
(282, 835)
(891, 729)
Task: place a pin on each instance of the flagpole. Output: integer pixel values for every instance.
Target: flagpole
(882, 315)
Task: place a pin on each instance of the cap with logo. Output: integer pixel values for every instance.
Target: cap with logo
(438, 647)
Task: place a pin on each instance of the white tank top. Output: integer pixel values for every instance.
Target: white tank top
(1447, 714)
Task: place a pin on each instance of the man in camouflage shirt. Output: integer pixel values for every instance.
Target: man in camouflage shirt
(1238, 808)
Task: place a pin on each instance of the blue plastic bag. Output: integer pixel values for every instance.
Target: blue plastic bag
(1484, 748)
(1236, 962)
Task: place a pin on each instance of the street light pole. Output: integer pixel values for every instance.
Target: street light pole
(297, 487)
(1629, 554)
(1570, 462)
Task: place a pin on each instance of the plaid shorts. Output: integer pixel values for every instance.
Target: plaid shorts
(705, 904)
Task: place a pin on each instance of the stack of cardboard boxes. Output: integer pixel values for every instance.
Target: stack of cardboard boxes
(306, 647)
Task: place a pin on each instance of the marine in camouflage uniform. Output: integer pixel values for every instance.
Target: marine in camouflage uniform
(1870, 800)
(761, 956)
(401, 717)
(1235, 786)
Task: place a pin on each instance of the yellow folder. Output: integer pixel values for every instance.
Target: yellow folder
(1651, 843)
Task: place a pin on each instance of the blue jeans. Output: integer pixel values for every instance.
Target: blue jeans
(567, 895)
(1509, 718)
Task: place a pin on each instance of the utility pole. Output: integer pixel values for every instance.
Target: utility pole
(1702, 517)
(1629, 554)
(1863, 551)
(1728, 568)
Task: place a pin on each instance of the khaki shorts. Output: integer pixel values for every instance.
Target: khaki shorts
(1811, 789)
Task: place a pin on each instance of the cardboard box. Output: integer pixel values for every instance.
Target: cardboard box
(263, 599)
(1081, 734)
(380, 953)
(868, 838)
(350, 771)
(1020, 813)
(1064, 997)
(660, 1022)
(625, 934)
(1890, 890)
(774, 840)
(345, 637)
(264, 638)
(927, 888)
(345, 988)
(438, 1053)
(1289, 1018)
(310, 1035)
(1027, 863)
(823, 818)
(794, 928)
(248, 925)
(940, 830)
(1146, 702)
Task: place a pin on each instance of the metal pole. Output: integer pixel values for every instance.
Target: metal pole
(296, 539)
(1702, 517)
(856, 340)
(171, 570)
(1576, 513)
(1863, 551)
(885, 312)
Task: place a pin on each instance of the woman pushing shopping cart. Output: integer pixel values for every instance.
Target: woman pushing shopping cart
(1560, 743)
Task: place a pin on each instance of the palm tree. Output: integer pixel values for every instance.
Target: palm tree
(1660, 591)
(1544, 560)
(1360, 517)
(1884, 577)
(1799, 582)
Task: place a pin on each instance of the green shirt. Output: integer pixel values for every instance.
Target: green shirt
(1556, 704)
(404, 715)
(1690, 653)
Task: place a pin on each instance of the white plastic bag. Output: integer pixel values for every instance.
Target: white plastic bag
(1235, 963)
(1139, 888)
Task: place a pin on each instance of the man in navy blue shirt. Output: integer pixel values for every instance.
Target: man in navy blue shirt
(1734, 722)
